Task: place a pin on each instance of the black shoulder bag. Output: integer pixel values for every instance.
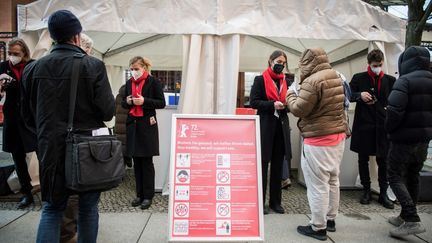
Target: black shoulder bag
(92, 163)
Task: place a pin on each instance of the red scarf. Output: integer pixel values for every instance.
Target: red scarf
(271, 88)
(17, 69)
(373, 76)
(137, 85)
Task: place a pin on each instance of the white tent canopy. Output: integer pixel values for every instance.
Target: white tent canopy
(124, 28)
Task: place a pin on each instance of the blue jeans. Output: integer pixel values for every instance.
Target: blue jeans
(88, 219)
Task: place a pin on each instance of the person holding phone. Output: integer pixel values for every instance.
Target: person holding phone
(142, 96)
(370, 91)
(268, 97)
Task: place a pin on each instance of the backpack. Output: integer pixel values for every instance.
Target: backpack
(347, 90)
(347, 93)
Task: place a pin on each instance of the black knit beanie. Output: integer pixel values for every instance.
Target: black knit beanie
(63, 24)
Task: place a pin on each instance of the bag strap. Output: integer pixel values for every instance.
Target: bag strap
(73, 88)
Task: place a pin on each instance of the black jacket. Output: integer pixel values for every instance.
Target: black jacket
(409, 110)
(120, 118)
(368, 133)
(268, 121)
(142, 138)
(46, 91)
(16, 135)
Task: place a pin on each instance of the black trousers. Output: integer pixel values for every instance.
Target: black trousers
(19, 158)
(144, 177)
(405, 163)
(276, 168)
(363, 164)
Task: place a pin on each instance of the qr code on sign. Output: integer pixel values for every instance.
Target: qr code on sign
(181, 227)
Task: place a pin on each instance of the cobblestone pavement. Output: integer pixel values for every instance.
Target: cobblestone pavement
(294, 201)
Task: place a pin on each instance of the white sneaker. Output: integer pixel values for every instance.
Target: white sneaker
(286, 183)
(408, 228)
(396, 221)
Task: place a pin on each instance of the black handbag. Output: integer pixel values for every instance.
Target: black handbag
(92, 163)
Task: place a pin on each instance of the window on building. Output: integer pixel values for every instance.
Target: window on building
(249, 79)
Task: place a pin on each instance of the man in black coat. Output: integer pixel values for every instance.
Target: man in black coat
(46, 90)
(18, 139)
(370, 90)
(409, 126)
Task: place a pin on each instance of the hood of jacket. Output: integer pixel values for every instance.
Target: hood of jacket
(414, 58)
(311, 61)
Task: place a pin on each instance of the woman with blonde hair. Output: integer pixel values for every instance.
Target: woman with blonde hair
(142, 96)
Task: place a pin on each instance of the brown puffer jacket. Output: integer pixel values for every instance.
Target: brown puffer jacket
(319, 104)
(120, 119)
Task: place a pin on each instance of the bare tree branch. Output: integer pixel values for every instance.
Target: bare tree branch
(422, 23)
(380, 4)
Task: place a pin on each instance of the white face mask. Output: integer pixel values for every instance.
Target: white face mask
(15, 59)
(136, 74)
(376, 70)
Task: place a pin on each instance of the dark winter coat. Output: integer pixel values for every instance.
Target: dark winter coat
(46, 89)
(16, 136)
(409, 110)
(268, 121)
(142, 137)
(368, 134)
(121, 115)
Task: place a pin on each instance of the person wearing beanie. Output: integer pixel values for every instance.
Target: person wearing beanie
(46, 89)
(409, 128)
(62, 25)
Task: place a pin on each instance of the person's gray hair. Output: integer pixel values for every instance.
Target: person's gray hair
(86, 43)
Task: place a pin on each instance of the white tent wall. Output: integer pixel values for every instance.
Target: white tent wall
(210, 71)
(211, 40)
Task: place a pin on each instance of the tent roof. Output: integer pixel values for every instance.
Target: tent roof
(122, 28)
(301, 19)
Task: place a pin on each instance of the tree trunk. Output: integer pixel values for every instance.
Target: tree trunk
(413, 37)
(415, 14)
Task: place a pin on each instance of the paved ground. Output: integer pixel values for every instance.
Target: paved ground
(119, 222)
(294, 201)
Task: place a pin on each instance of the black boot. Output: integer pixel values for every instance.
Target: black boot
(26, 200)
(385, 201)
(366, 197)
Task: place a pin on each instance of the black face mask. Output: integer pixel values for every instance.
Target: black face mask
(277, 68)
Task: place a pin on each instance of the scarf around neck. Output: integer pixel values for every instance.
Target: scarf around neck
(373, 76)
(271, 89)
(17, 69)
(137, 85)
